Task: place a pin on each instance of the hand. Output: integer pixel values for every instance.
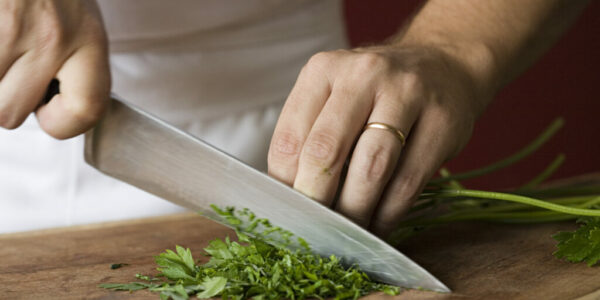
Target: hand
(422, 91)
(44, 39)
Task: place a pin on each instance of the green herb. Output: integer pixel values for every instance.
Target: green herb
(446, 200)
(134, 286)
(254, 268)
(526, 151)
(582, 245)
(117, 266)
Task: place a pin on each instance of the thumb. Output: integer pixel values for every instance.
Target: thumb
(84, 94)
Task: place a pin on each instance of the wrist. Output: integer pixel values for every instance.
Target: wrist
(476, 58)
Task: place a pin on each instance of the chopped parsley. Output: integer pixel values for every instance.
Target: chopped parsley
(117, 266)
(257, 267)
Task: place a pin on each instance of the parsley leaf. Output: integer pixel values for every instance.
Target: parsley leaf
(212, 287)
(582, 245)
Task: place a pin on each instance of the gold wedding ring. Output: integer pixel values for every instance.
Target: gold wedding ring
(399, 134)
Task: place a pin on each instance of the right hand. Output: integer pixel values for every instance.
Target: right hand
(45, 39)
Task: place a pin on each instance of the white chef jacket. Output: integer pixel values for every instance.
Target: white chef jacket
(219, 69)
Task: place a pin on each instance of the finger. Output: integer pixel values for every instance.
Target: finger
(330, 139)
(84, 94)
(374, 159)
(10, 33)
(7, 61)
(7, 57)
(301, 108)
(22, 87)
(430, 145)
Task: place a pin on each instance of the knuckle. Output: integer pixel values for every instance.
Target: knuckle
(51, 34)
(285, 145)
(371, 61)
(318, 62)
(323, 148)
(94, 30)
(10, 29)
(442, 114)
(320, 58)
(412, 82)
(375, 163)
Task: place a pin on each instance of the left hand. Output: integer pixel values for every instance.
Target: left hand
(421, 91)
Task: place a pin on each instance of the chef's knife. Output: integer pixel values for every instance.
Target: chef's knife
(140, 149)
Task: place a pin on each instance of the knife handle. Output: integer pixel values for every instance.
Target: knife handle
(53, 89)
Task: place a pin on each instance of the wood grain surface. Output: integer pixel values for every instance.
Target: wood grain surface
(476, 260)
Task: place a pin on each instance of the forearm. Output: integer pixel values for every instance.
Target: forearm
(494, 40)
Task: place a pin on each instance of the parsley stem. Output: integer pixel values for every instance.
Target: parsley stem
(520, 199)
(453, 184)
(477, 205)
(514, 217)
(519, 206)
(550, 169)
(561, 191)
(526, 151)
(487, 216)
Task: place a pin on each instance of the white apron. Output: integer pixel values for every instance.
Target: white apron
(219, 69)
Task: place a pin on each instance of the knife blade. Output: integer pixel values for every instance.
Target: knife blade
(142, 150)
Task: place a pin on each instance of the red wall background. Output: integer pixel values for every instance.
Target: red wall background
(565, 82)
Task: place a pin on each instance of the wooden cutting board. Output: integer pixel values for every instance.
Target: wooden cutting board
(476, 260)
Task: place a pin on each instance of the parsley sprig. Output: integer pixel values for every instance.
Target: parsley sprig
(446, 200)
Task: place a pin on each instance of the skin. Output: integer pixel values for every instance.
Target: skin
(431, 81)
(44, 39)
